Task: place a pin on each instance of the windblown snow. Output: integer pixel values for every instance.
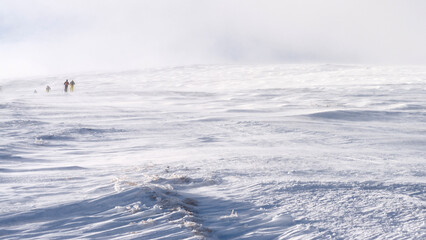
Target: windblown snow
(216, 152)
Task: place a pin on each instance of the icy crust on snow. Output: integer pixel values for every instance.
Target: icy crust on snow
(170, 204)
(149, 208)
(216, 152)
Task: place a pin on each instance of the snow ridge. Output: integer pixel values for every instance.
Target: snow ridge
(319, 151)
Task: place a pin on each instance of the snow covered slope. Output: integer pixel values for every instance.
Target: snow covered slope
(216, 152)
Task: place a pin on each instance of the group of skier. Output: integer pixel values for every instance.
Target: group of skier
(66, 84)
(71, 84)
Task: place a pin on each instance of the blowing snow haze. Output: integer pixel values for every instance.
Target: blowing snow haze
(48, 37)
(213, 135)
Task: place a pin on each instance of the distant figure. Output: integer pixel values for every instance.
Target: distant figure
(35, 91)
(66, 83)
(48, 88)
(72, 83)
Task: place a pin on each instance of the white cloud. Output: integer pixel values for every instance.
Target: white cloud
(47, 36)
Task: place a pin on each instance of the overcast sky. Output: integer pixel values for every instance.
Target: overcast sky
(45, 37)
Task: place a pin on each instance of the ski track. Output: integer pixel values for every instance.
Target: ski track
(216, 152)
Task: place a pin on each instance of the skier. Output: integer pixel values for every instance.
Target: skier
(66, 83)
(48, 88)
(72, 83)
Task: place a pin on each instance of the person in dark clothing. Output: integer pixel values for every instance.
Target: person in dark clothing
(72, 83)
(66, 83)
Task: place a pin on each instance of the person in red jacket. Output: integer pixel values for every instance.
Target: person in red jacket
(66, 83)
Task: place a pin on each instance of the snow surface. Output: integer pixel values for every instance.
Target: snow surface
(216, 152)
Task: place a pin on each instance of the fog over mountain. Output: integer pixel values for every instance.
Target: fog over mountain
(212, 119)
(49, 37)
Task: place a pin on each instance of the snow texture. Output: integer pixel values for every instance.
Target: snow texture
(216, 152)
